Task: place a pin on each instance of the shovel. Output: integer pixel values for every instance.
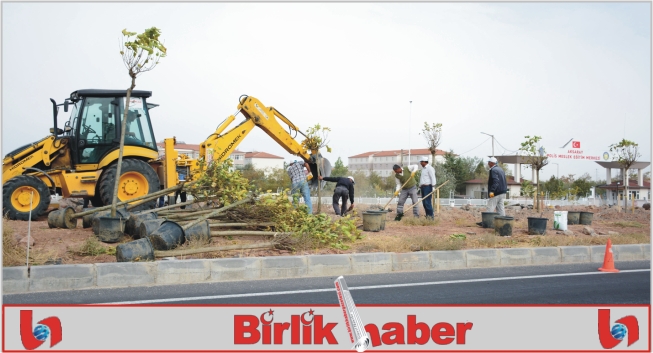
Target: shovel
(412, 175)
(400, 215)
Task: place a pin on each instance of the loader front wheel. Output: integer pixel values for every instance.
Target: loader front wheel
(19, 192)
(137, 179)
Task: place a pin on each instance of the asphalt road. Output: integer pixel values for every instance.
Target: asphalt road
(550, 284)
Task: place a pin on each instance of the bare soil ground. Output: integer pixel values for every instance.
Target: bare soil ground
(452, 229)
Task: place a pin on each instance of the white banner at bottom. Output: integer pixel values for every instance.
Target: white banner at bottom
(306, 328)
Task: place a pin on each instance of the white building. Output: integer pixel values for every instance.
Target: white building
(381, 162)
(263, 160)
(192, 151)
(477, 188)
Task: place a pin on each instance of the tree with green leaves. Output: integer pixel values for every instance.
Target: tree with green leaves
(583, 185)
(463, 168)
(554, 187)
(626, 153)
(432, 134)
(527, 188)
(140, 53)
(441, 175)
(316, 139)
(339, 169)
(536, 159)
(264, 180)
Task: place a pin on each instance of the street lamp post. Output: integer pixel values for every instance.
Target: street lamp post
(557, 170)
(492, 142)
(410, 113)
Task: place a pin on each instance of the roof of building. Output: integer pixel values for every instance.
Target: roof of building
(509, 179)
(617, 165)
(414, 151)
(261, 155)
(366, 154)
(632, 184)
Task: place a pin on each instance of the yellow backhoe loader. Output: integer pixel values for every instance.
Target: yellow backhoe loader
(80, 159)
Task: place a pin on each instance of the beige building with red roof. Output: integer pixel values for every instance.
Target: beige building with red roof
(263, 160)
(381, 162)
(477, 188)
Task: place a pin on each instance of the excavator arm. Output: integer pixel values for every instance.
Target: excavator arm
(265, 118)
(219, 146)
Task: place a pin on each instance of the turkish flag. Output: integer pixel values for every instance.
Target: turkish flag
(575, 144)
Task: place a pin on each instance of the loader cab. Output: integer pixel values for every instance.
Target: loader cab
(96, 118)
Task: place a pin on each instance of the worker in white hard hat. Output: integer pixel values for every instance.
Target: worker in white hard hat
(344, 189)
(497, 186)
(426, 185)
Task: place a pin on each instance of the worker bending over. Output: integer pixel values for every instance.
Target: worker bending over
(344, 189)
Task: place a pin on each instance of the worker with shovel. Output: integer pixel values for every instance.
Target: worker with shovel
(406, 186)
(344, 189)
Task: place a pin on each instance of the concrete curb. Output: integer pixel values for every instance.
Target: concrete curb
(126, 274)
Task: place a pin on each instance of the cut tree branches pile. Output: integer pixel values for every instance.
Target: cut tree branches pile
(224, 206)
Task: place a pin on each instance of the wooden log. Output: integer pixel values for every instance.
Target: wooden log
(224, 233)
(163, 208)
(148, 197)
(220, 224)
(217, 212)
(188, 214)
(184, 222)
(212, 249)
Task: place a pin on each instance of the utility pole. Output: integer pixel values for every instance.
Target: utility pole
(492, 142)
(410, 113)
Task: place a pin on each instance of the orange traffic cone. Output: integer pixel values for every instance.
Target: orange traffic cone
(608, 261)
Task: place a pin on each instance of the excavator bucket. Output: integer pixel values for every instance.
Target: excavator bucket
(325, 171)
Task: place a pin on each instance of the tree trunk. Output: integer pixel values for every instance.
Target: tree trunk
(122, 147)
(319, 184)
(625, 190)
(537, 188)
(433, 165)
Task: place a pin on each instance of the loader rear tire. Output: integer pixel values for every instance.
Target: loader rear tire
(16, 195)
(137, 179)
(96, 201)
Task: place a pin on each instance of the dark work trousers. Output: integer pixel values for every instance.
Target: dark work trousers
(427, 201)
(177, 195)
(403, 196)
(340, 192)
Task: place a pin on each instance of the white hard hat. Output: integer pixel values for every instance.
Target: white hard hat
(352, 179)
(424, 159)
(492, 160)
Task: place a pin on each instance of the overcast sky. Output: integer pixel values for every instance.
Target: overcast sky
(558, 70)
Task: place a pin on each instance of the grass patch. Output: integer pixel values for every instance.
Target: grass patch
(386, 243)
(12, 253)
(92, 247)
(628, 224)
(15, 254)
(408, 243)
(460, 222)
(421, 221)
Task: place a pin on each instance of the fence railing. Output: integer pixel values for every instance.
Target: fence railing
(483, 202)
